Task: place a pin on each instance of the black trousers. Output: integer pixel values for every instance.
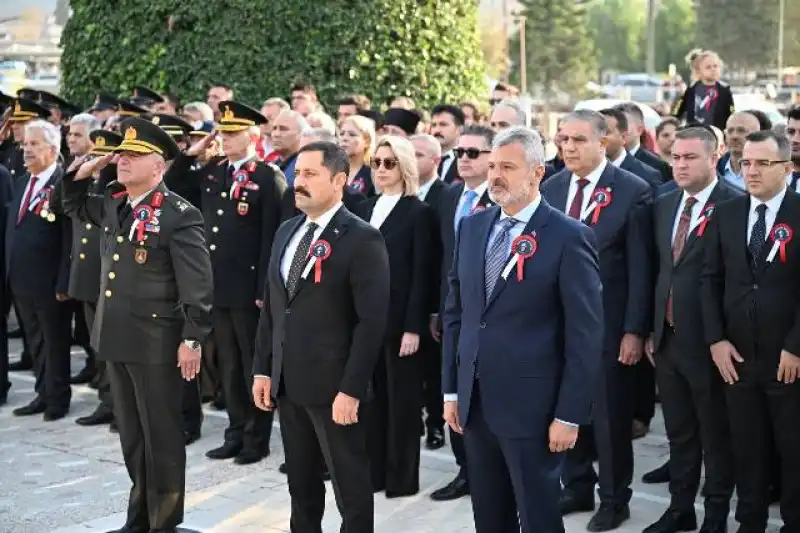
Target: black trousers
(82, 329)
(101, 377)
(644, 408)
(210, 382)
(307, 431)
(433, 402)
(47, 327)
(191, 406)
(393, 421)
(759, 404)
(696, 420)
(608, 439)
(148, 415)
(26, 352)
(234, 337)
(5, 384)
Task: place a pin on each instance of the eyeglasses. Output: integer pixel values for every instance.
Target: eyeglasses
(760, 163)
(472, 153)
(387, 163)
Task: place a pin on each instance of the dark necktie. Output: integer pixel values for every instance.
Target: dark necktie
(124, 212)
(299, 260)
(795, 178)
(677, 245)
(577, 202)
(26, 201)
(497, 255)
(758, 235)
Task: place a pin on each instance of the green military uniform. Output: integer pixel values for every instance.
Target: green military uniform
(156, 291)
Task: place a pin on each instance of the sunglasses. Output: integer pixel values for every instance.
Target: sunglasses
(472, 153)
(387, 163)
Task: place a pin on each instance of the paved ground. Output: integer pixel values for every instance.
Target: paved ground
(59, 477)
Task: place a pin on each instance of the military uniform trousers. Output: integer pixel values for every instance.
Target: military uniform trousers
(151, 434)
(234, 339)
(101, 378)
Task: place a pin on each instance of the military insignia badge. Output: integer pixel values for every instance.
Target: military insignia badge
(242, 208)
(140, 255)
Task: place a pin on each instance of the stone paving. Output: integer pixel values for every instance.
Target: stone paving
(62, 478)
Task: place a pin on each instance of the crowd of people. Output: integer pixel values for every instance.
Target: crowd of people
(383, 276)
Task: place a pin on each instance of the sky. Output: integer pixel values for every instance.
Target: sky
(10, 8)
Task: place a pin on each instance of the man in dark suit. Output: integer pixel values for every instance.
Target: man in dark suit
(320, 333)
(692, 394)
(617, 205)
(154, 310)
(459, 201)
(522, 340)
(38, 241)
(6, 194)
(447, 121)
(636, 128)
(750, 288)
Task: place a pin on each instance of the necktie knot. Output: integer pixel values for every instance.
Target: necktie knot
(508, 223)
(761, 210)
(582, 183)
(689, 205)
(470, 195)
(312, 227)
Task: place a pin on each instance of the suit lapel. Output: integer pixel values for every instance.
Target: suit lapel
(606, 181)
(671, 211)
(292, 228)
(782, 217)
(560, 190)
(396, 215)
(713, 198)
(22, 189)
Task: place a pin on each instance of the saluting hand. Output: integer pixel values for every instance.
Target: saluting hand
(202, 145)
(345, 409)
(188, 361)
(89, 167)
(789, 367)
(262, 386)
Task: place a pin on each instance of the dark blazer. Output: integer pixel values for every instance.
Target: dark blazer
(38, 249)
(362, 182)
(153, 293)
(452, 175)
(683, 275)
(643, 170)
(649, 158)
(185, 177)
(537, 343)
(327, 338)
(239, 232)
(6, 198)
(723, 108)
(756, 311)
(434, 200)
(408, 232)
(624, 233)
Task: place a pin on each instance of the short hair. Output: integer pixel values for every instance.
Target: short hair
(334, 158)
(500, 86)
(366, 127)
(667, 121)
(793, 113)
(593, 118)
(434, 147)
(632, 110)
(516, 107)
(173, 100)
(529, 139)
(618, 115)
(358, 100)
(783, 144)
(764, 123)
(472, 105)
(223, 86)
(323, 133)
(405, 102)
(478, 130)
(85, 119)
(326, 122)
(301, 121)
(200, 107)
(282, 104)
(303, 87)
(51, 133)
(403, 150)
(706, 135)
(455, 111)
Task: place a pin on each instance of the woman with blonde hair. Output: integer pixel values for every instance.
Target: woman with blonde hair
(708, 101)
(407, 225)
(357, 138)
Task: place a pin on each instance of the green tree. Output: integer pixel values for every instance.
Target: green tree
(427, 50)
(675, 34)
(559, 53)
(791, 37)
(617, 28)
(743, 32)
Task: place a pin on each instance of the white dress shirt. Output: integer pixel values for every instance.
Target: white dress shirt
(291, 247)
(424, 188)
(479, 191)
(593, 177)
(133, 202)
(618, 161)
(448, 160)
(383, 207)
(238, 164)
(41, 179)
(697, 209)
(772, 211)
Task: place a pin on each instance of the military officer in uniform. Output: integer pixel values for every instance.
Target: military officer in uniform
(154, 310)
(84, 279)
(242, 200)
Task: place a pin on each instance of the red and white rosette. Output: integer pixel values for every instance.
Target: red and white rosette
(705, 216)
(143, 214)
(523, 248)
(240, 180)
(601, 198)
(320, 251)
(781, 236)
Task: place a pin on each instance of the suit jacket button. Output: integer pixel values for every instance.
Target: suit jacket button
(288, 311)
(215, 229)
(483, 325)
(120, 239)
(115, 257)
(82, 256)
(84, 240)
(220, 211)
(755, 286)
(108, 294)
(111, 275)
(88, 226)
(212, 247)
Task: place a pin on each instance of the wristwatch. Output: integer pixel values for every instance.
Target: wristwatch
(192, 344)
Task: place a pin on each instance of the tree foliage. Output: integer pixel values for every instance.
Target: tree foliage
(675, 27)
(743, 32)
(617, 28)
(429, 51)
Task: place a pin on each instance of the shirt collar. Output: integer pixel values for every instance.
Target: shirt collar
(136, 201)
(526, 214)
(238, 164)
(479, 190)
(45, 175)
(594, 176)
(635, 149)
(425, 187)
(702, 196)
(324, 219)
(773, 204)
(618, 161)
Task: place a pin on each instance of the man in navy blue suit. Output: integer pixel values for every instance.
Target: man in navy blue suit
(522, 340)
(618, 206)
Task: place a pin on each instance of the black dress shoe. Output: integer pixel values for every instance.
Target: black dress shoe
(457, 488)
(572, 503)
(229, 450)
(84, 376)
(190, 436)
(435, 438)
(3, 399)
(608, 517)
(326, 476)
(673, 521)
(112, 427)
(36, 407)
(128, 530)
(21, 365)
(99, 417)
(659, 475)
(218, 403)
(714, 526)
(51, 415)
(250, 456)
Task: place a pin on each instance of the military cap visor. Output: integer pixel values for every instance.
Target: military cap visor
(235, 116)
(28, 93)
(146, 94)
(51, 100)
(143, 137)
(129, 109)
(104, 142)
(25, 110)
(175, 126)
(104, 101)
